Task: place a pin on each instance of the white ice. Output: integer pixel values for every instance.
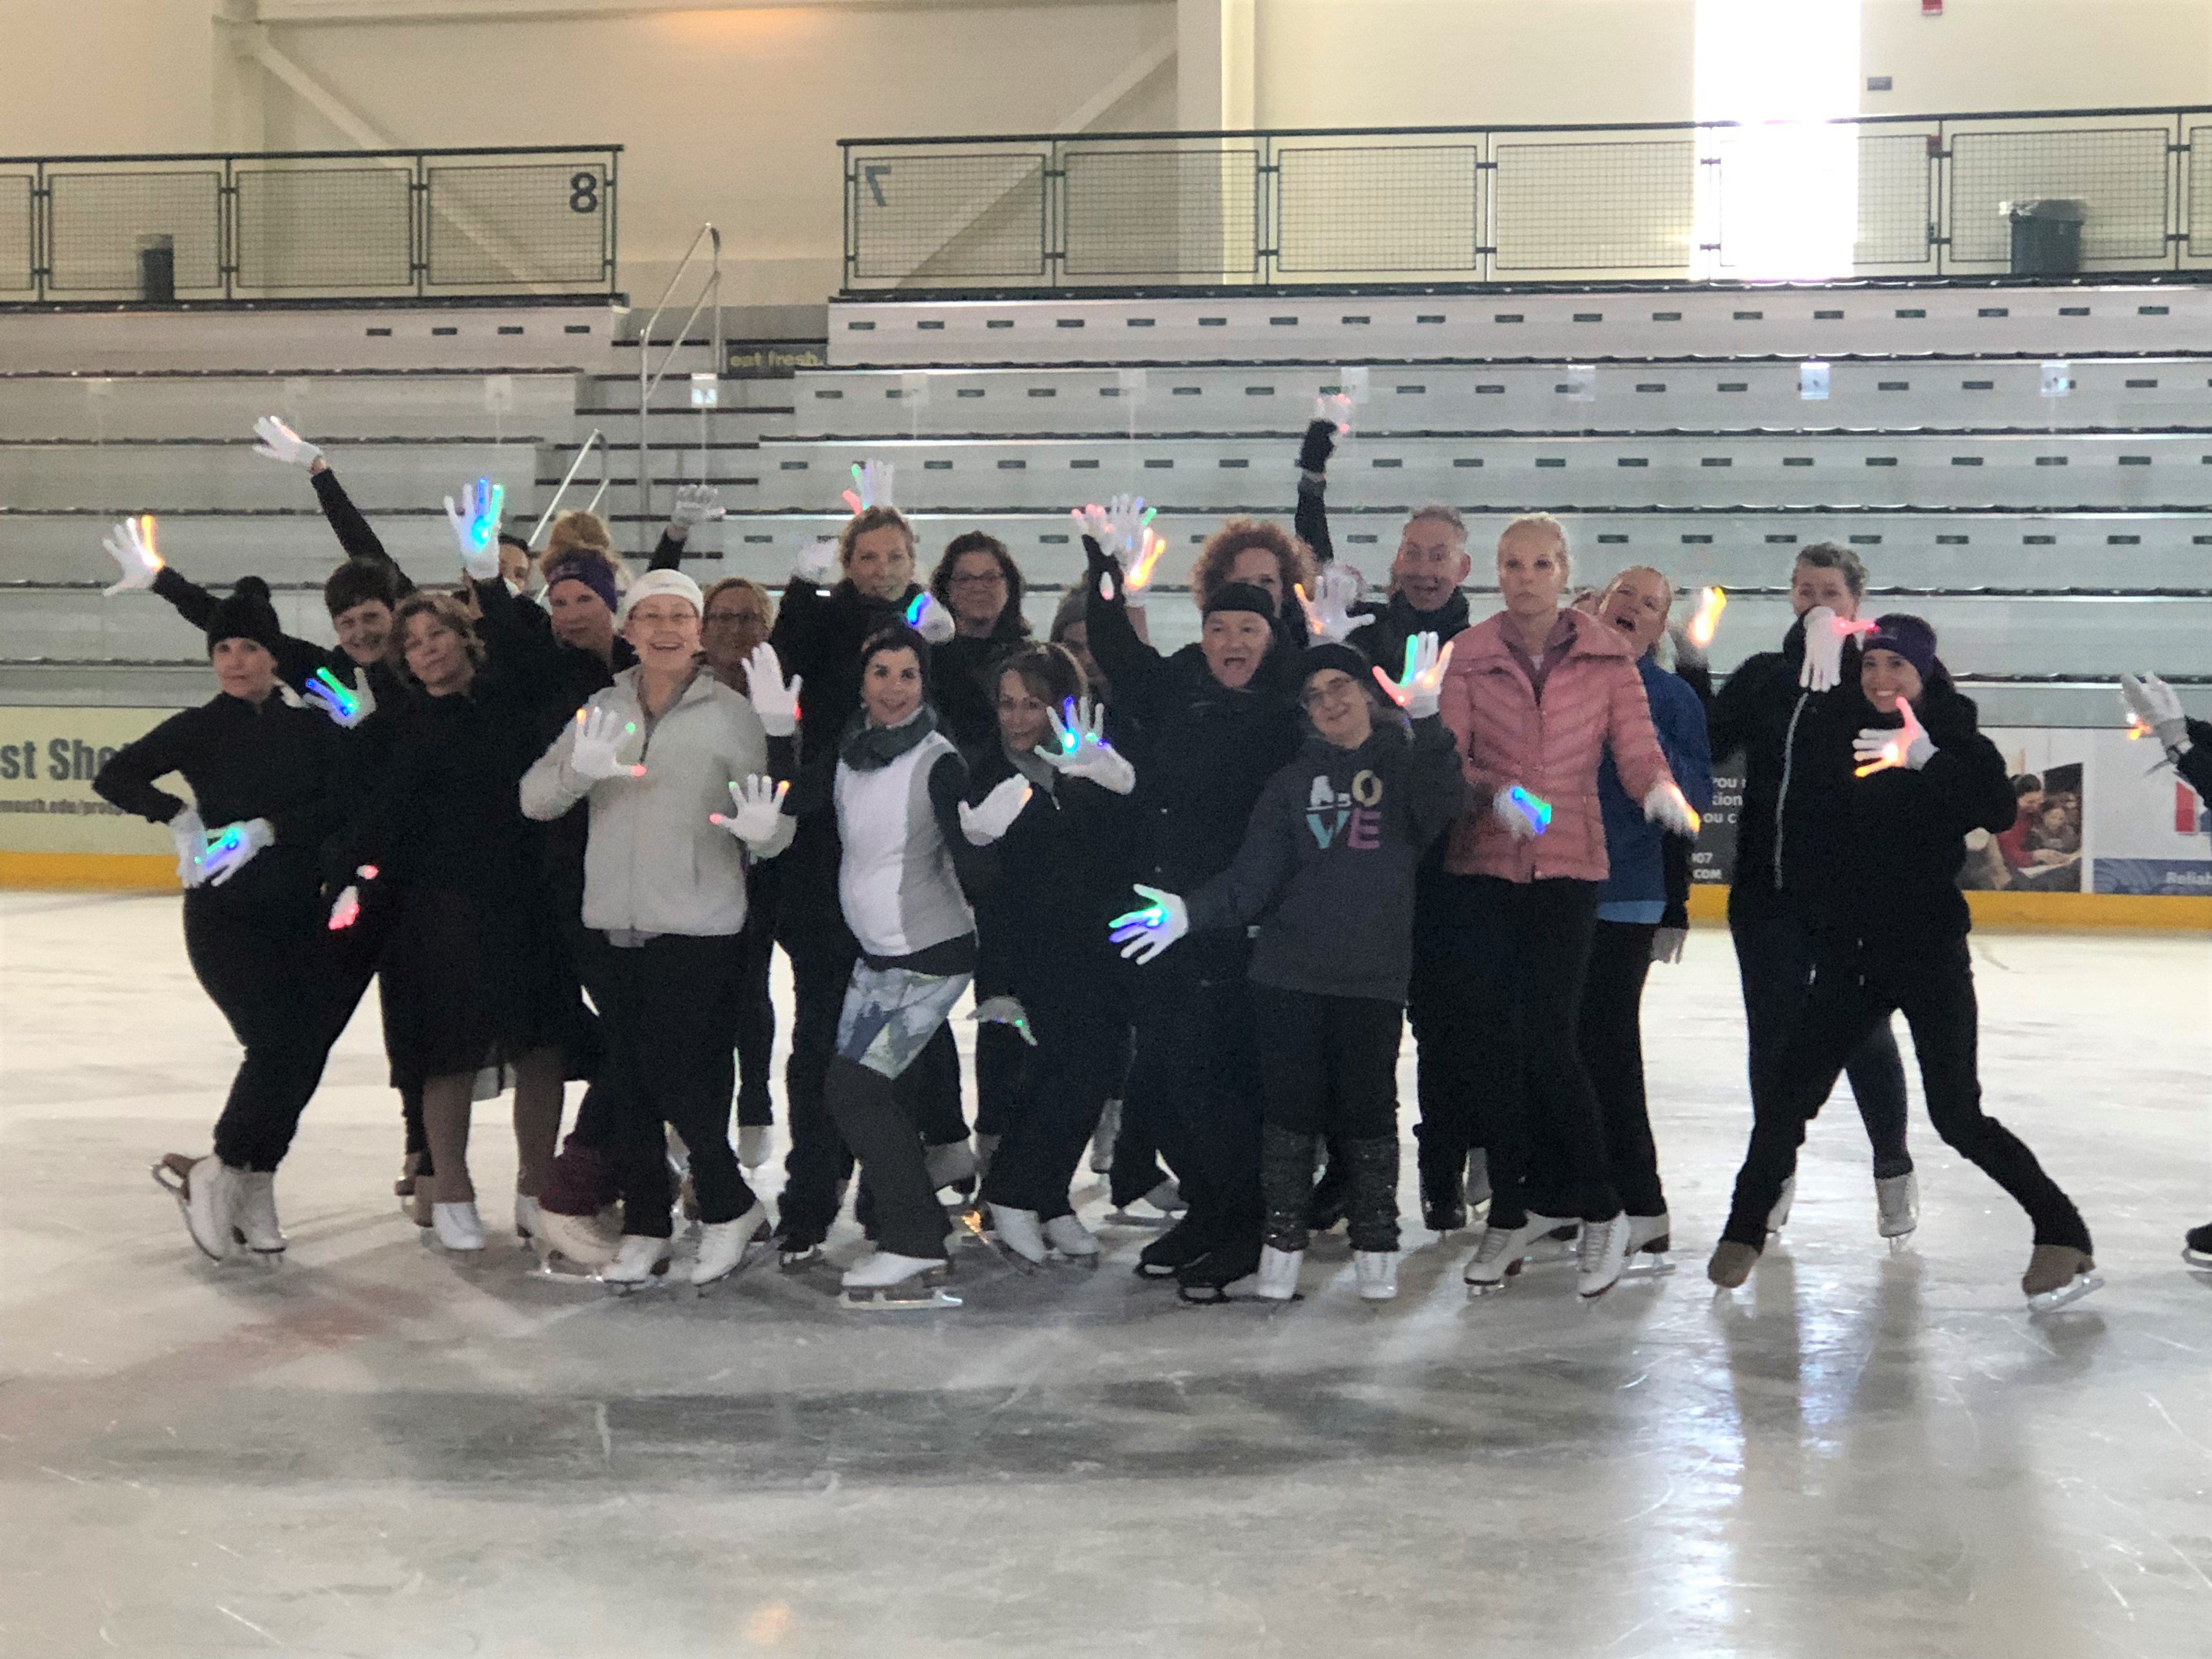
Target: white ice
(376, 1450)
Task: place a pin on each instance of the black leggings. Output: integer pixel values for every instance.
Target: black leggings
(668, 1008)
(1196, 1067)
(1774, 957)
(1854, 990)
(1610, 1033)
(756, 1015)
(1065, 1082)
(1330, 1067)
(1516, 977)
(818, 1162)
(264, 963)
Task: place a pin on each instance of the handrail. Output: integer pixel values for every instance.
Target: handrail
(712, 290)
(568, 478)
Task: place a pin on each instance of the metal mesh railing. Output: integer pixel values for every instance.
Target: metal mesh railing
(318, 223)
(1908, 196)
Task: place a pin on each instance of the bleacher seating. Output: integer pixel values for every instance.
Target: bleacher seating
(2054, 540)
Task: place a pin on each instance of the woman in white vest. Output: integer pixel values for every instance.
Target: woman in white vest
(911, 846)
(672, 762)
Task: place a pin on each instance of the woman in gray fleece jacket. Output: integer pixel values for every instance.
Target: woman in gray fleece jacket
(673, 764)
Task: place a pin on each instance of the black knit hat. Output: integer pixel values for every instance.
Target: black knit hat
(356, 581)
(1241, 596)
(1329, 653)
(245, 614)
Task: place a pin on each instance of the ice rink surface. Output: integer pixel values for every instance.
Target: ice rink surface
(377, 1449)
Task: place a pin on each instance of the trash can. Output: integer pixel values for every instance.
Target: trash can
(157, 269)
(2046, 237)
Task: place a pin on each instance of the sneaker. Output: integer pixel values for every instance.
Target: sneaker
(1500, 1252)
(726, 1246)
(1279, 1274)
(458, 1227)
(637, 1260)
(1068, 1235)
(1103, 1137)
(753, 1143)
(1018, 1230)
(1897, 1204)
(206, 1191)
(2196, 1246)
(1375, 1272)
(951, 1165)
(1778, 1217)
(1731, 1264)
(585, 1240)
(1598, 1262)
(2057, 1274)
(256, 1212)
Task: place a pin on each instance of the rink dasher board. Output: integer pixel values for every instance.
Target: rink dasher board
(1810, 321)
(1888, 394)
(2024, 471)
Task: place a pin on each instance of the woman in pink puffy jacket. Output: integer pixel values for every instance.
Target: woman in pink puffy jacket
(1535, 696)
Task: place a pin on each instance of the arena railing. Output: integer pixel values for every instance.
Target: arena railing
(1929, 197)
(309, 224)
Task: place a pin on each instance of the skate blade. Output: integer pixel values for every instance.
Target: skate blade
(789, 1260)
(968, 1225)
(659, 1279)
(1651, 1267)
(1131, 1219)
(2197, 1258)
(1900, 1242)
(2066, 1294)
(875, 1302)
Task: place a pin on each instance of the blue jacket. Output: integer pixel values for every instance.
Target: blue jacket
(1635, 887)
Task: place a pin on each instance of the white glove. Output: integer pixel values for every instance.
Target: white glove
(1524, 816)
(992, 816)
(757, 803)
(280, 443)
(190, 836)
(1711, 601)
(929, 619)
(345, 909)
(1422, 685)
(1082, 751)
(1824, 634)
(816, 562)
(130, 544)
(1005, 1011)
(774, 701)
(232, 847)
(600, 735)
(327, 692)
(1335, 408)
(1668, 808)
(695, 504)
(476, 527)
(1123, 529)
(2152, 706)
(1142, 934)
(871, 486)
(1667, 943)
(1329, 613)
(1877, 748)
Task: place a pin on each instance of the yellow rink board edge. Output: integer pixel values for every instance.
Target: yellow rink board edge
(2033, 912)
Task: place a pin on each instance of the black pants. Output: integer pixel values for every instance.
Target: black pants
(756, 1010)
(1002, 1072)
(1610, 1033)
(263, 961)
(1854, 990)
(668, 1008)
(1445, 1128)
(818, 1161)
(1066, 1082)
(1774, 957)
(1330, 1069)
(1516, 983)
(931, 1089)
(1198, 1067)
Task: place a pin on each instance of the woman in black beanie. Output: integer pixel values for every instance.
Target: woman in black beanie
(1893, 773)
(265, 772)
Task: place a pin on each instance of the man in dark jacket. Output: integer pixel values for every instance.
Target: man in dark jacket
(1757, 715)
(1889, 775)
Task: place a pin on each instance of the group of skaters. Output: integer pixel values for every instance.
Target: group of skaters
(564, 815)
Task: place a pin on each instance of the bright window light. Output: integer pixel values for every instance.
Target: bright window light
(1783, 204)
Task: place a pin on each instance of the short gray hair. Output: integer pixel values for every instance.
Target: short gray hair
(1437, 513)
(1827, 556)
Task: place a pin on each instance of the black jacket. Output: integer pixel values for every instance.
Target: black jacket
(2195, 766)
(964, 684)
(1876, 858)
(1327, 866)
(1758, 714)
(1383, 642)
(243, 760)
(1207, 751)
(1061, 876)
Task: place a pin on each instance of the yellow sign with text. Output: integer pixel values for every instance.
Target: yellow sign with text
(53, 830)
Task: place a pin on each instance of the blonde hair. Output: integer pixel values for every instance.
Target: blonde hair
(1543, 521)
(873, 518)
(1294, 560)
(578, 534)
(446, 610)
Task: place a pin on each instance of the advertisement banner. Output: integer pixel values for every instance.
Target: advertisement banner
(2148, 832)
(48, 758)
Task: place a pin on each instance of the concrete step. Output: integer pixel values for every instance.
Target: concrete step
(296, 340)
(136, 476)
(326, 409)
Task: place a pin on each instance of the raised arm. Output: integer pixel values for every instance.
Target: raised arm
(1136, 672)
(1310, 518)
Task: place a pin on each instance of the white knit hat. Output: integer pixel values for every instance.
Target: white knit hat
(655, 583)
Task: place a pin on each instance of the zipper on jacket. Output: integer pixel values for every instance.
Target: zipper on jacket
(1781, 794)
